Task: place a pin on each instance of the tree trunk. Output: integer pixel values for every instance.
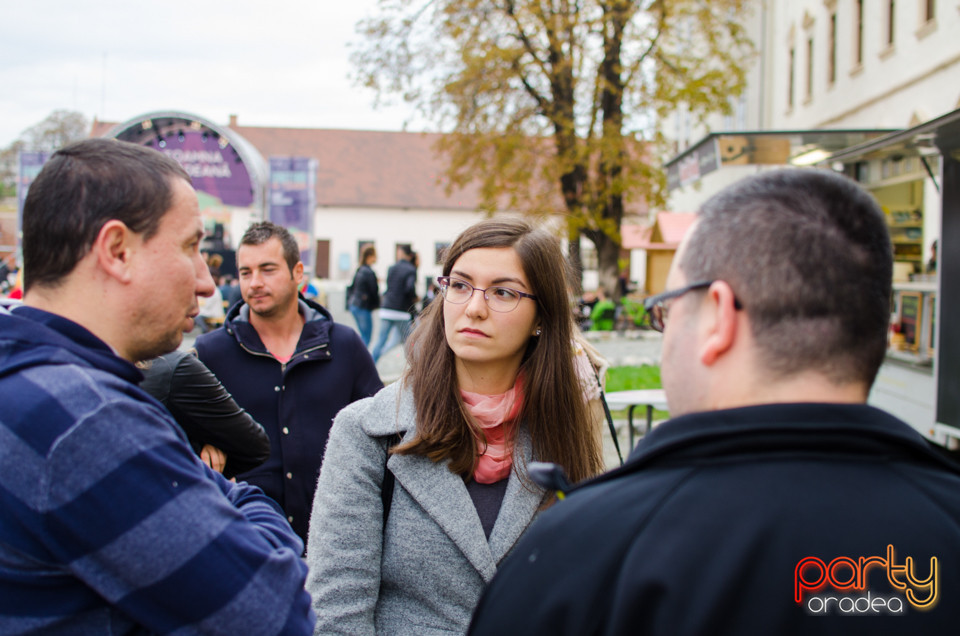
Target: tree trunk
(576, 261)
(608, 262)
(608, 257)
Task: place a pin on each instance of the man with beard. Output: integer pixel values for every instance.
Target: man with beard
(286, 362)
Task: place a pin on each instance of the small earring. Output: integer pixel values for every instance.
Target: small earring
(539, 331)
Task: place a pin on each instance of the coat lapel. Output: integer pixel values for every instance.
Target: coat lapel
(444, 497)
(520, 503)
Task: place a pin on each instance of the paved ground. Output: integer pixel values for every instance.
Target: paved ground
(620, 349)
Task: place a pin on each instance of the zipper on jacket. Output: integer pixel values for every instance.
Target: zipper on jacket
(283, 365)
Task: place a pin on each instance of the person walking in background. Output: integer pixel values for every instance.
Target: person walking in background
(109, 523)
(230, 292)
(8, 266)
(433, 290)
(775, 501)
(398, 301)
(931, 267)
(364, 294)
(286, 362)
(424, 487)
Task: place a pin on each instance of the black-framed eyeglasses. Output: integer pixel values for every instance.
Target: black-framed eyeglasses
(499, 299)
(657, 308)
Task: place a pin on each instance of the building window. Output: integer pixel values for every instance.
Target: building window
(792, 77)
(809, 87)
(927, 19)
(891, 12)
(858, 36)
(832, 50)
(362, 245)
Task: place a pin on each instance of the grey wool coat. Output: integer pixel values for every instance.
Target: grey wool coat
(424, 572)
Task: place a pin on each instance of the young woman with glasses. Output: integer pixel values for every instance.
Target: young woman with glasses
(424, 487)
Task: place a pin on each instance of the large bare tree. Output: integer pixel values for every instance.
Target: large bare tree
(557, 105)
(58, 129)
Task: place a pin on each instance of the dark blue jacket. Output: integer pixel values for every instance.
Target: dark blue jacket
(703, 530)
(401, 291)
(109, 523)
(296, 401)
(364, 290)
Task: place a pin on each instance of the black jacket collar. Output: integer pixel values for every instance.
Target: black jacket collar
(855, 429)
(316, 327)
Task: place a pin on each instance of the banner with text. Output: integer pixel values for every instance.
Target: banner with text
(292, 201)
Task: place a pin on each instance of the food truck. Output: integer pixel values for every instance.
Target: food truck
(915, 176)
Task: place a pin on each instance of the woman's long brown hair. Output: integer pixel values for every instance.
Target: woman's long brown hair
(553, 409)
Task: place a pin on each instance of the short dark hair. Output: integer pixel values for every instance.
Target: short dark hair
(80, 188)
(368, 251)
(262, 231)
(807, 253)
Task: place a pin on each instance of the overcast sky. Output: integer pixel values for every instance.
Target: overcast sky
(279, 63)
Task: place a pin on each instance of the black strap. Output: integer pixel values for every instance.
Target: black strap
(389, 481)
(606, 411)
(613, 429)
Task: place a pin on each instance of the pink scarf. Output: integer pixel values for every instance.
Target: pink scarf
(496, 415)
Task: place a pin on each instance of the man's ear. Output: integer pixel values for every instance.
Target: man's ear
(297, 272)
(722, 328)
(113, 249)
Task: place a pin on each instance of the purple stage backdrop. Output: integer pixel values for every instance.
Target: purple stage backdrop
(217, 171)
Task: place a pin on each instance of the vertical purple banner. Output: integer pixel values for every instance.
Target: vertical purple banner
(29, 165)
(292, 201)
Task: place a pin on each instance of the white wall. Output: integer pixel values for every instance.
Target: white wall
(345, 228)
(689, 198)
(917, 78)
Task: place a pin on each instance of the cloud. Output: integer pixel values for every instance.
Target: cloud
(284, 63)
